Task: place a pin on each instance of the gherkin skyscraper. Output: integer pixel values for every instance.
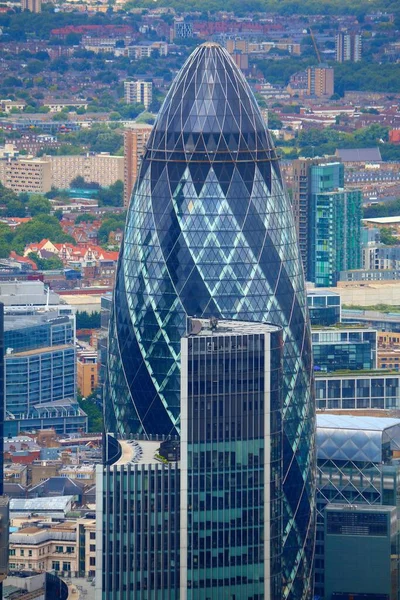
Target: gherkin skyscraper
(210, 233)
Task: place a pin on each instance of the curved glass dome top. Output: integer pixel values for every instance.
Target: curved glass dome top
(210, 110)
(210, 233)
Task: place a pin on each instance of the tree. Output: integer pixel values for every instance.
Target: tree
(387, 237)
(85, 320)
(38, 204)
(46, 264)
(112, 196)
(40, 227)
(113, 223)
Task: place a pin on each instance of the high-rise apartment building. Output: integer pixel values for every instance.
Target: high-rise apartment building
(320, 81)
(328, 219)
(348, 47)
(335, 235)
(34, 6)
(138, 92)
(224, 536)
(301, 202)
(135, 138)
(210, 233)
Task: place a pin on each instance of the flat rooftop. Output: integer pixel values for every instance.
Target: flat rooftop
(208, 327)
(13, 322)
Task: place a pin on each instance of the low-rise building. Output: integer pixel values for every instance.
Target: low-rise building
(67, 548)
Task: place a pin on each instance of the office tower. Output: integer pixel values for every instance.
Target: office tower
(320, 81)
(342, 347)
(324, 308)
(210, 233)
(40, 372)
(348, 46)
(135, 139)
(4, 518)
(231, 438)
(356, 465)
(222, 536)
(138, 92)
(361, 552)
(328, 219)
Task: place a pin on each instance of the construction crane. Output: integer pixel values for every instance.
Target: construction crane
(315, 45)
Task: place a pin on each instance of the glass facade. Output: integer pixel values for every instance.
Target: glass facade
(138, 553)
(210, 233)
(232, 446)
(40, 368)
(336, 349)
(357, 391)
(30, 332)
(324, 308)
(335, 225)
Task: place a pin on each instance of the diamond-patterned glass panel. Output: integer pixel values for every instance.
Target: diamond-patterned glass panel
(210, 232)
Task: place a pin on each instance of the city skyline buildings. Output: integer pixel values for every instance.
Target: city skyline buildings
(210, 233)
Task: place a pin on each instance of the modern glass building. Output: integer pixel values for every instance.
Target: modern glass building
(344, 348)
(334, 225)
(137, 523)
(40, 373)
(210, 233)
(324, 307)
(209, 526)
(231, 461)
(361, 552)
(368, 390)
(356, 468)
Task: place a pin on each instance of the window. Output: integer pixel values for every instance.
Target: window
(92, 535)
(66, 566)
(92, 561)
(70, 549)
(22, 552)
(92, 548)
(55, 565)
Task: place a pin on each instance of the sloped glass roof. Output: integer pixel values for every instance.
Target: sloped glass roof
(348, 437)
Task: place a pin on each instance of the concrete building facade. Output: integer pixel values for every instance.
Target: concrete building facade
(135, 138)
(102, 168)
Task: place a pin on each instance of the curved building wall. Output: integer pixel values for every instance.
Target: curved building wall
(210, 232)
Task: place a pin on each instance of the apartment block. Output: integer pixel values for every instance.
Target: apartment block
(34, 6)
(26, 175)
(348, 47)
(135, 139)
(104, 169)
(138, 92)
(320, 81)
